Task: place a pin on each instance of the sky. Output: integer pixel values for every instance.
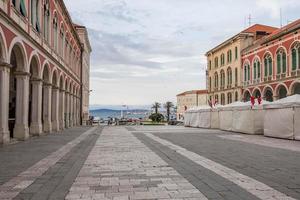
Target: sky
(151, 50)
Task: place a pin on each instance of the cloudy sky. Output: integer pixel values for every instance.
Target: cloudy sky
(151, 50)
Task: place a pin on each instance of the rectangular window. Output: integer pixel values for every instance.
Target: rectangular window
(254, 67)
(258, 70)
(236, 53)
(266, 67)
(236, 75)
(294, 59)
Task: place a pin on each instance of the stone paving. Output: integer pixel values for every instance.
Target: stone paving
(122, 167)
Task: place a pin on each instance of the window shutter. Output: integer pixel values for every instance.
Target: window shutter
(23, 8)
(283, 62)
(266, 67)
(278, 63)
(294, 59)
(270, 67)
(254, 67)
(258, 69)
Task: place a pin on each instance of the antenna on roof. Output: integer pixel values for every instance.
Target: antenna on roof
(280, 18)
(249, 18)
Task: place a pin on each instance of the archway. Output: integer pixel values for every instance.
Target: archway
(54, 102)
(35, 98)
(247, 96)
(18, 92)
(296, 88)
(282, 92)
(46, 100)
(269, 95)
(256, 93)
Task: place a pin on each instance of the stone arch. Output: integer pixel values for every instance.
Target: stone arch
(46, 73)
(295, 87)
(55, 78)
(35, 66)
(18, 56)
(3, 47)
(62, 81)
(268, 93)
(18, 91)
(247, 95)
(281, 91)
(257, 92)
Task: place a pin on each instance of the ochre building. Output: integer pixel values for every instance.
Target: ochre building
(43, 59)
(189, 99)
(224, 71)
(271, 66)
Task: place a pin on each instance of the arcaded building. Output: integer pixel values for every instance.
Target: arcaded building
(224, 72)
(41, 82)
(271, 66)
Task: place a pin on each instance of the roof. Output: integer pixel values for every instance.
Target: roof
(193, 92)
(260, 27)
(248, 31)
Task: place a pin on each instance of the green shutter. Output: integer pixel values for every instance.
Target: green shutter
(298, 57)
(283, 62)
(270, 67)
(23, 8)
(236, 52)
(278, 63)
(248, 72)
(258, 69)
(266, 67)
(254, 67)
(245, 73)
(294, 59)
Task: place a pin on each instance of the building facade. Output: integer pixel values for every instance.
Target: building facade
(40, 69)
(85, 73)
(271, 67)
(189, 99)
(224, 62)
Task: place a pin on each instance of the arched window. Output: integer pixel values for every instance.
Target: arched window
(281, 61)
(216, 62)
(236, 96)
(222, 78)
(268, 65)
(229, 56)
(229, 77)
(256, 69)
(55, 31)
(20, 6)
(247, 72)
(296, 57)
(62, 42)
(46, 20)
(216, 81)
(222, 99)
(229, 98)
(35, 15)
(222, 59)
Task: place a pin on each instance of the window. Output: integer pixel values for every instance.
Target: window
(236, 75)
(268, 65)
(209, 85)
(247, 72)
(222, 59)
(296, 57)
(229, 56)
(62, 42)
(216, 62)
(20, 6)
(256, 69)
(229, 77)
(222, 78)
(236, 53)
(281, 61)
(236, 96)
(229, 98)
(209, 64)
(55, 32)
(46, 20)
(216, 80)
(35, 15)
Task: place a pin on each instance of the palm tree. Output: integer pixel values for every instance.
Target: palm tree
(156, 106)
(168, 105)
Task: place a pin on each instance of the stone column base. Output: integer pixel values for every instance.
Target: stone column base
(4, 137)
(36, 129)
(47, 127)
(21, 132)
(55, 126)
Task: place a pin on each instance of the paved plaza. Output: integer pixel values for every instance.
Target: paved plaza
(150, 162)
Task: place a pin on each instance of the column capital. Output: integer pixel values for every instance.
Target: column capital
(5, 64)
(46, 84)
(67, 92)
(54, 87)
(34, 79)
(21, 74)
(62, 90)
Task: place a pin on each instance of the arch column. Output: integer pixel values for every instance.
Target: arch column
(36, 127)
(62, 109)
(21, 130)
(74, 110)
(67, 109)
(55, 108)
(71, 109)
(4, 102)
(47, 107)
(78, 111)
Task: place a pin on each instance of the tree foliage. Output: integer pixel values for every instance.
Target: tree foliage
(156, 117)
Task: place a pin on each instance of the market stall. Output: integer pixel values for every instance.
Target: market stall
(282, 118)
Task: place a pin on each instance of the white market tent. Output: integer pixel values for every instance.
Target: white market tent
(226, 116)
(282, 118)
(198, 117)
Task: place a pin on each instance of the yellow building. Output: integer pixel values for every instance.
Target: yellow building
(224, 64)
(189, 99)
